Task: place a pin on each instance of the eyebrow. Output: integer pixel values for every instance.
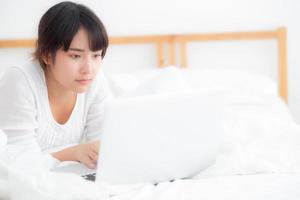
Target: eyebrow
(76, 49)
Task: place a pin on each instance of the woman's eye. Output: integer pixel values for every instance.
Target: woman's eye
(97, 56)
(75, 56)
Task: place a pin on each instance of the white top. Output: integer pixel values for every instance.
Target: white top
(26, 117)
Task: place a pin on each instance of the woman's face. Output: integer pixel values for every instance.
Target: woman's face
(74, 70)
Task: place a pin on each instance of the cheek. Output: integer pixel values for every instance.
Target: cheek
(66, 73)
(96, 67)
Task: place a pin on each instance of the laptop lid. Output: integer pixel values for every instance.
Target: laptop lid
(159, 138)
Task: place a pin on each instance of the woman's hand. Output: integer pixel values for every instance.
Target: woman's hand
(86, 153)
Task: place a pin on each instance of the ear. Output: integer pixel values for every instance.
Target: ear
(46, 59)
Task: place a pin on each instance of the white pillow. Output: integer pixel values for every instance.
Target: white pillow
(228, 80)
(168, 80)
(236, 84)
(122, 83)
(149, 82)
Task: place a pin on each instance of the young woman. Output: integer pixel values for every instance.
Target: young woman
(55, 102)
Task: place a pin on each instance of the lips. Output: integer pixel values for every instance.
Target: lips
(83, 81)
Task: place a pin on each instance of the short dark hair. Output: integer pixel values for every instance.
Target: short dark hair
(59, 25)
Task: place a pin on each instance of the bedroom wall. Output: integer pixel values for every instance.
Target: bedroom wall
(137, 17)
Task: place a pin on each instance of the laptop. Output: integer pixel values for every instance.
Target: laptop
(159, 138)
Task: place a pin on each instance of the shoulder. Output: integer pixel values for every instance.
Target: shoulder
(18, 101)
(17, 79)
(13, 76)
(27, 69)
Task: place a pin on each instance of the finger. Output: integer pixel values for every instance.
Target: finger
(93, 156)
(89, 163)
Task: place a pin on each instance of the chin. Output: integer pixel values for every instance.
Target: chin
(81, 89)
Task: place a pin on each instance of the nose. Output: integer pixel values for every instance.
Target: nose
(87, 66)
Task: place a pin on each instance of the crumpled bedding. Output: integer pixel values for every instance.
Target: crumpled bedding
(254, 136)
(259, 160)
(29, 178)
(42, 184)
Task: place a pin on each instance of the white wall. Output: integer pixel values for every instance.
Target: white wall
(19, 19)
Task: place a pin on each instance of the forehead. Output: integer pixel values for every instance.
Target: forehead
(84, 41)
(80, 39)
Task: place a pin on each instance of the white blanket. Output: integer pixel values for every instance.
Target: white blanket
(28, 178)
(29, 185)
(262, 143)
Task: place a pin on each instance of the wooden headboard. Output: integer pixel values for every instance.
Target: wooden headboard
(279, 35)
(181, 40)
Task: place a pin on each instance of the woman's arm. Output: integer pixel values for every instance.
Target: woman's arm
(86, 153)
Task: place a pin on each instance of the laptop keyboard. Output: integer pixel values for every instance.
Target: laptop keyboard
(90, 177)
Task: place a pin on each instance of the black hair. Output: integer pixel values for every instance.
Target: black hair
(59, 25)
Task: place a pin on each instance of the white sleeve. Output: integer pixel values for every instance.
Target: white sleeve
(18, 109)
(95, 114)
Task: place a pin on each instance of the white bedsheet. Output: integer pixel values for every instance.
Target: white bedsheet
(263, 144)
(45, 185)
(29, 178)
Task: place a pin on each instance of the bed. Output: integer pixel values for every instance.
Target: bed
(260, 157)
(166, 58)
